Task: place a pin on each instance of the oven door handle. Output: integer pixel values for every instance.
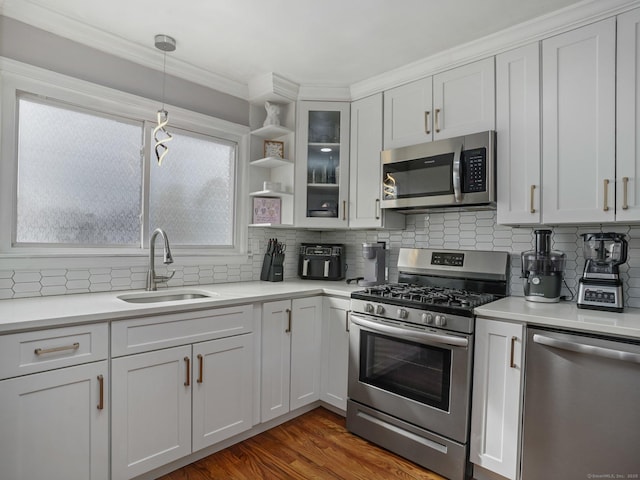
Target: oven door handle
(421, 337)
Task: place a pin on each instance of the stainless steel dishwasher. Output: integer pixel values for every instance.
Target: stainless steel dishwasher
(581, 407)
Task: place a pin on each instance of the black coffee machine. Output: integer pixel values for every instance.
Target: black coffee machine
(322, 261)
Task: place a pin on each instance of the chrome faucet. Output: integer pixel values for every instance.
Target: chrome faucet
(152, 278)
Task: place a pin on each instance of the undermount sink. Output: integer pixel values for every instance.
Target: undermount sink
(155, 297)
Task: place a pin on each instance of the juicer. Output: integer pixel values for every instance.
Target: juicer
(600, 286)
(542, 270)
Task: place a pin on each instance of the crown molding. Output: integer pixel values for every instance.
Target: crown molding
(324, 93)
(273, 88)
(554, 23)
(45, 19)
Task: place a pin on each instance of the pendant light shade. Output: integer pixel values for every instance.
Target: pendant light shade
(161, 136)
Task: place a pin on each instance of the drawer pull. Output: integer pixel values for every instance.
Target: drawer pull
(101, 400)
(42, 351)
(200, 368)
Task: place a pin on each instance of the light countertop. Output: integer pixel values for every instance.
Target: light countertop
(62, 310)
(564, 315)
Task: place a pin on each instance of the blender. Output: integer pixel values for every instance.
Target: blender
(542, 270)
(600, 286)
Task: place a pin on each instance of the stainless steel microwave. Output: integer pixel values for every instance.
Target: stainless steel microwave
(456, 172)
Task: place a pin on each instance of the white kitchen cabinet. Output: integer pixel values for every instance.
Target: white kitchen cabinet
(518, 135)
(497, 398)
(578, 122)
(456, 102)
(55, 424)
(628, 117)
(291, 332)
(322, 165)
(364, 167)
(335, 351)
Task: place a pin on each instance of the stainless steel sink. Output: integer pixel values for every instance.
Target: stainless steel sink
(156, 297)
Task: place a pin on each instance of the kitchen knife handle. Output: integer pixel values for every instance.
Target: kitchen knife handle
(533, 189)
(426, 122)
(187, 362)
(606, 195)
(437, 120)
(512, 362)
(625, 186)
(200, 368)
(377, 209)
(288, 330)
(101, 395)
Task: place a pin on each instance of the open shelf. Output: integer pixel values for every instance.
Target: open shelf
(271, 131)
(271, 162)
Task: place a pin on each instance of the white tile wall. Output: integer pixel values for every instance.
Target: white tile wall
(450, 230)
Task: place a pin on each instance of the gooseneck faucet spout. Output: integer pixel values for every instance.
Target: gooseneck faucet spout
(152, 278)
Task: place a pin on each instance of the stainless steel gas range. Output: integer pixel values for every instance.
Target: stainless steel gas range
(411, 354)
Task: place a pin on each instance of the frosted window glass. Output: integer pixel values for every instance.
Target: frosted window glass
(79, 177)
(192, 194)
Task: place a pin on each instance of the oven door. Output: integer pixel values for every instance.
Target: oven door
(421, 375)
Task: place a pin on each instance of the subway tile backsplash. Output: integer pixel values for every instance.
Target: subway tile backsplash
(448, 230)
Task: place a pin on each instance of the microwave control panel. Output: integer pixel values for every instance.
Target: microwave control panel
(474, 171)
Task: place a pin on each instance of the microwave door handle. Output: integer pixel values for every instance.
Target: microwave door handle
(457, 182)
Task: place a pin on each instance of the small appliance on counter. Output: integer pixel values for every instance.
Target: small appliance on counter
(374, 264)
(600, 286)
(542, 270)
(321, 261)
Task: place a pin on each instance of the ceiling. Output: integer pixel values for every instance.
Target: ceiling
(333, 43)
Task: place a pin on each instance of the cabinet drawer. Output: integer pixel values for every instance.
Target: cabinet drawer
(152, 333)
(37, 351)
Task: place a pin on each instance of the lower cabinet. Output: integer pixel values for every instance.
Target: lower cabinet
(290, 376)
(335, 351)
(55, 424)
(497, 398)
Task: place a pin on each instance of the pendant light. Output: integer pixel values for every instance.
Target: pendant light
(160, 133)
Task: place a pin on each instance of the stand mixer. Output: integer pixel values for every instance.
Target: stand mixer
(600, 285)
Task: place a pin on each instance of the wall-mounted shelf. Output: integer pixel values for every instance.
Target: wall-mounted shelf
(271, 131)
(270, 162)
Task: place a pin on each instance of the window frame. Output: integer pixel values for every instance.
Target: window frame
(18, 77)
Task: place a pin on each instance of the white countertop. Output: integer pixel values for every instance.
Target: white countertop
(43, 312)
(564, 315)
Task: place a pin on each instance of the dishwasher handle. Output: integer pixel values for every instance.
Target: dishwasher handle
(602, 352)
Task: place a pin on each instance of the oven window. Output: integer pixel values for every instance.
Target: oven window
(419, 178)
(412, 370)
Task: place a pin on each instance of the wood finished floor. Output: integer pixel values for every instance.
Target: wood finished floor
(315, 445)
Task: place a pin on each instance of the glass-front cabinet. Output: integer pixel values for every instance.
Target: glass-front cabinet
(322, 164)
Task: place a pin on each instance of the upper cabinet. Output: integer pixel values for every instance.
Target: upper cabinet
(456, 102)
(322, 165)
(518, 135)
(364, 171)
(578, 85)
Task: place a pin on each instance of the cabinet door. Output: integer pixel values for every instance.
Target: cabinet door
(578, 122)
(52, 427)
(335, 351)
(497, 397)
(628, 121)
(151, 411)
(365, 169)
(306, 331)
(464, 100)
(408, 114)
(276, 356)
(518, 135)
(222, 382)
(322, 165)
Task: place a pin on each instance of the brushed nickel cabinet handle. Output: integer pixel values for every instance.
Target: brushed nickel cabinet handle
(187, 362)
(625, 185)
(533, 189)
(344, 210)
(437, 120)
(42, 351)
(200, 368)
(606, 195)
(288, 330)
(512, 362)
(377, 209)
(101, 399)
(426, 123)
(346, 318)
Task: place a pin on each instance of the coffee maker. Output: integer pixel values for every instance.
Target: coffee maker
(600, 286)
(542, 270)
(374, 264)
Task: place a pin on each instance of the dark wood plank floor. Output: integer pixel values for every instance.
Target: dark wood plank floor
(315, 445)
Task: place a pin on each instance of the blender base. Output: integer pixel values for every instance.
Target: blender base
(601, 295)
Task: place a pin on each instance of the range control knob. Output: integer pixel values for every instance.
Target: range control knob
(368, 308)
(379, 309)
(427, 318)
(441, 320)
(402, 313)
